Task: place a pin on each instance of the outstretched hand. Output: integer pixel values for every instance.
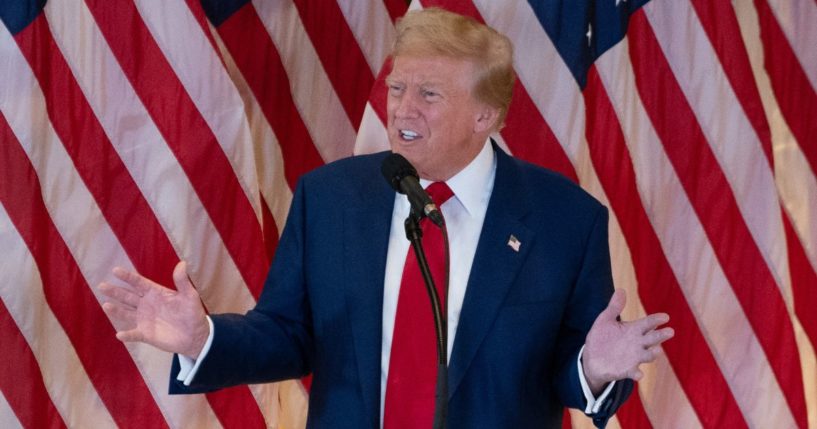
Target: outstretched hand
(614, 349)
(147, 312)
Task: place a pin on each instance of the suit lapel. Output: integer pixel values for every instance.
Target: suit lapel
(496, 264)
(366, 237)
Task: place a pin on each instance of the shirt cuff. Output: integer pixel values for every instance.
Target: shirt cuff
(188, 367)
(593, 404)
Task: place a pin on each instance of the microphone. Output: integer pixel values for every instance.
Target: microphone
(402, 176)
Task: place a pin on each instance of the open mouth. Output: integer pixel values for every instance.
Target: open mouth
(409, 135)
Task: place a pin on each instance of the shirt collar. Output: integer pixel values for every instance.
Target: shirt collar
(473, 184)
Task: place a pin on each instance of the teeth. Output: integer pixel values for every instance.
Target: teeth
(408, 134)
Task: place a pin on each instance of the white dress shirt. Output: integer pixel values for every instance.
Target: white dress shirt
(464, 215)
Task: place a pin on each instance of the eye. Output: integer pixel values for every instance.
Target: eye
(428, 94)
(395, 89)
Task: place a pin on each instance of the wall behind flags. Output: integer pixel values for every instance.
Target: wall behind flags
(138, 133)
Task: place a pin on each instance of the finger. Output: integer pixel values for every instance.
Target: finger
(131, 335)
(134, 279)
(120, 294)
(658, 336)
(122, 317)
(634, 374)
(182, 280)
(616, 305)
(650, 322)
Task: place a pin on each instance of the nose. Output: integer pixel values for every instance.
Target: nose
(406, 106)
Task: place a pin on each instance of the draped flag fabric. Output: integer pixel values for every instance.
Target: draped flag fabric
(137, 133)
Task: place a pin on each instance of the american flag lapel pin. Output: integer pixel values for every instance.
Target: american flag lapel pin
(514, 243)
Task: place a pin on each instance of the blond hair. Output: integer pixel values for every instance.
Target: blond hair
(438, 32)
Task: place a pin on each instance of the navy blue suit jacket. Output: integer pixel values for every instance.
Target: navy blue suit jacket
(524, 317)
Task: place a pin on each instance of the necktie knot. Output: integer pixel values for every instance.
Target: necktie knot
(439, 193)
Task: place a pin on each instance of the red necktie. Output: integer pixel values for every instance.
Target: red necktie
(411, 383)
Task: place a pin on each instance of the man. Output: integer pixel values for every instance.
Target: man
(529, 281)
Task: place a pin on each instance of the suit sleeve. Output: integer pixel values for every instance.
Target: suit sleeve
(273, 341)
(591, 294)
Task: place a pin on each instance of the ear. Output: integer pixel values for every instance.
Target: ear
(486, 119)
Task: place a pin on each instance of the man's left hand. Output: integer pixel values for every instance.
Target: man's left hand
(614, 349)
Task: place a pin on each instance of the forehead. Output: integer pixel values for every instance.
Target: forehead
(432, 70)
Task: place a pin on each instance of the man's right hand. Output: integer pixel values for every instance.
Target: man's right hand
(150, 313)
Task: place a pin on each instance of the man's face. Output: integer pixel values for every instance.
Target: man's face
(433, 118)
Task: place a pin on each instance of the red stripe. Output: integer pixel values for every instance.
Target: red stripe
(377, 97)
(235, 407)
(396, 8)
(187, 134)
(658, 290)
(113, 373)
(803, 282)
(712, 198)
(204, 163)
(96, 161)
(795, 95)
(530, 138)
(340, 55)
(20, 378)
(566, 420)
(721, 25)
(257, 58)
(632, 412)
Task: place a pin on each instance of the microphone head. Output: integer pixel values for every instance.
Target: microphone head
(395, 168)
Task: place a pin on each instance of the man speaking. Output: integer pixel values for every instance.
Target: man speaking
(532, 319)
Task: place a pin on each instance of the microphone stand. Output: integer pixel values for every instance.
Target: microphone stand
(415, 235)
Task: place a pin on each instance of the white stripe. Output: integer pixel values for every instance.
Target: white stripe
(730, 135)
(152, 165)
(372, 136)
(371, 25)
(536, 56)
(65, 379)
(8, 419)
(198, 67)
(78, 218)
(798, 20)
(796, 183)
(711, 298)
(269, 159)
(795, 180)
(664, 399)
(313, 94)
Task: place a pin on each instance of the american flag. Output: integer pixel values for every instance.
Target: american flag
(137, 133)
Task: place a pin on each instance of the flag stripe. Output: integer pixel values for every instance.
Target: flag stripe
(721, 25)
(158, 255)
(257, 58)
(701, 377)
(78, 404)
(396, 8)
(30, 400)
(76, 308)
(702, 281)
(715, 204)
(529, 137)
(804, 280)
(188, 136)
(328, 124)
(796, 97)
(735, 146)
(366, 21)
(21, 380)
(85, 140)
(345, 65)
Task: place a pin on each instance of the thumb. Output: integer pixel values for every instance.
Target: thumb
(616, 305)
(181, 280)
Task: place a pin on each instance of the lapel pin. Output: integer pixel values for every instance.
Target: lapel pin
(514, 243)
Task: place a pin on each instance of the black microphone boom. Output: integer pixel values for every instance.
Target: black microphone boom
(403, 177)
